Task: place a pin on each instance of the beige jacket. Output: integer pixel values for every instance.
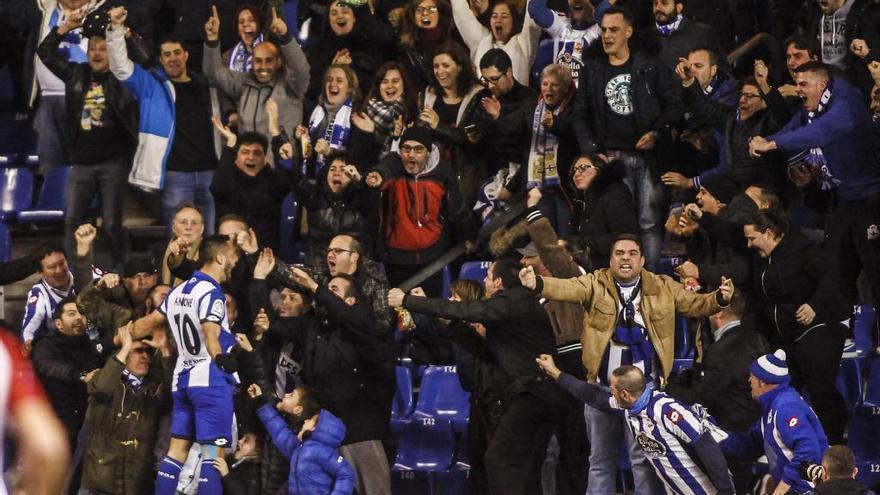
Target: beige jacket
(661, 298)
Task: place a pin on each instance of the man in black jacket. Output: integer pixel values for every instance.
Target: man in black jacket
(679, 35)
(352, 369)
(517, 331)
(245, 185)
(623, 109)
(721, 380)
(102, 127)
(67, 359)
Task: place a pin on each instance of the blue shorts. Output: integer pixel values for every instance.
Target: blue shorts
(203, 414)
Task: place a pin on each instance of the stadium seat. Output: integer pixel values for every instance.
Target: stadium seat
(849, 383)
(451, 482)
(865, 330)
(872, 391)
(441, 396)
(679, 365)
(405, 482)
(16, 193)
(869, 473)
(684, 345)
(50, 205)
(426, 444)
(666, 265)
(863, 436)
(402, 406)
(5, 243)
(474, 270)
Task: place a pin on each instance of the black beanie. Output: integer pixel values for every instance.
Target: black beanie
(419, 134)
(721, 186)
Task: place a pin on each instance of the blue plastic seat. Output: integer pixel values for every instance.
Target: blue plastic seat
(849, 383)
(679, 365)
(51, 203)
(426, 444)
(666, 265)
(441, 396)
(474, 270)
(16, 193)
(451, 482)
(869, 473)
(872, 391)
(402, 405)
(5, 243)
(863, 436)
(684, 345)
(865, 330)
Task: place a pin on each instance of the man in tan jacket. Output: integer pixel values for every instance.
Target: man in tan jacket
(629, 318)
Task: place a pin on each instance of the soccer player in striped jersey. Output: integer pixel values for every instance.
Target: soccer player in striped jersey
(678, 441)
(205, 374)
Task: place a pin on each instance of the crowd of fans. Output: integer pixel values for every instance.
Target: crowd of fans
(634, 133)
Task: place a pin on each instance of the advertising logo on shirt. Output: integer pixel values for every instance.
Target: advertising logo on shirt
(619, 95)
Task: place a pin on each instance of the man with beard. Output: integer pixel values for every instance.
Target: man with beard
(833, 134)
(679, 35)
(268, 77)
(177, 152)
(572, 33)
(205, 374)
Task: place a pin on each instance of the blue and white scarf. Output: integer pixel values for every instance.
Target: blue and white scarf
(132, 379)
(667, 29)
(240, 59)
(543, 151)
(336, 133)
(814, 157)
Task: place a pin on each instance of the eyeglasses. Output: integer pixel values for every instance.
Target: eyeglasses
(426, 10)
(338, 251)
(579, 169)
(749, 96)
(412, 149)
(485, 81)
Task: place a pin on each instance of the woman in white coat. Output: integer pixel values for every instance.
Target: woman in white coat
(519, 46)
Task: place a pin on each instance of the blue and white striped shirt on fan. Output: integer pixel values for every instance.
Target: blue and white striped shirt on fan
(665, 430)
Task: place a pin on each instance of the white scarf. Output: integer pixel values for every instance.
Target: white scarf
(336, 133)
(543, 151)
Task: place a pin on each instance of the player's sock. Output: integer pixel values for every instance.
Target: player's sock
(209, 479)
(166, 478)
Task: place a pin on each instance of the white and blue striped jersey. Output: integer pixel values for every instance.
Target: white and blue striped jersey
(41, 303)
(187, 307)
(665, 431)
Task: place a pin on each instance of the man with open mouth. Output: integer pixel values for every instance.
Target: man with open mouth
(279, 70)
(629, 319)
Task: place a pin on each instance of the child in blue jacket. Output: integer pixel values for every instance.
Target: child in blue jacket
(316, 468)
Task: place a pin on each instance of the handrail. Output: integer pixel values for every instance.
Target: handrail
(435, 266)
(776, 62)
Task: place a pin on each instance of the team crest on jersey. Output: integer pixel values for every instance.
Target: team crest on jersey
(217, 308)
(34, 298)
(648, 424)
(673, 416)
(339, 460)
(651, 447)
(793, 422)
(221, 442)
(873, 232)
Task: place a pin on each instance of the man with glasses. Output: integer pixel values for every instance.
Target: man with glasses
(423, 212)
(496, 76)
(753, 116)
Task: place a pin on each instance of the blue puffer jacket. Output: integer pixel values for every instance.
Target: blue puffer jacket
(316, 468)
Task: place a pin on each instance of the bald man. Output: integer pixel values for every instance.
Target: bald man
(279, 70)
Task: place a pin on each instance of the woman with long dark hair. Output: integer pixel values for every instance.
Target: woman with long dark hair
(448, 104)
(424, 26)
(390, 102)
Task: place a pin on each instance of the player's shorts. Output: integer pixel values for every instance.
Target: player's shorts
(203, 414)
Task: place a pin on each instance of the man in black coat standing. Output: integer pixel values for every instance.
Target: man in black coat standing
(517, 331)
(721, 380)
